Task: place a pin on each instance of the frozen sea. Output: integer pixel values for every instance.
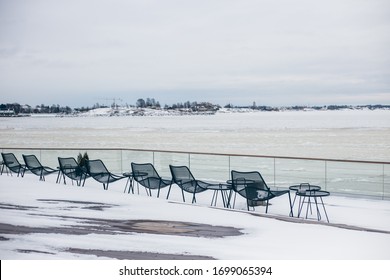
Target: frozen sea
(346, 134)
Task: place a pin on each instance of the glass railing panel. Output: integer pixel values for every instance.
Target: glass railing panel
(50, 157)
(263, 165)
(20, 152)
(210, 167)
(296, 171)
(344, 177)
(355, 178)
(386, 181)
(162, 160)
(111, 158)
(129, 156)
(68, 153)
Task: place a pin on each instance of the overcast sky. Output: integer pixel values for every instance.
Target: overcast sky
(273, 52)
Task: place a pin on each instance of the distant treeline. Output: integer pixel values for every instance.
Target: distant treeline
(16, 108)
(302, 108)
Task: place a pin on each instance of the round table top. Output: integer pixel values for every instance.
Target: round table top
(132, 174)
(313, 193)
(219, 186)
(241, 182)
(304, 187)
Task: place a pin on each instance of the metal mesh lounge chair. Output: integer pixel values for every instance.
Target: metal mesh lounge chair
(146, 175)
(71, 169)
(12, 164)
(33, 165)
(97, 170)
(254, 189)
(183, 177)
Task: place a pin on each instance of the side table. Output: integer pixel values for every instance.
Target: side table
(130, 177)
(315, 194)
(225, 191)
(303, 187)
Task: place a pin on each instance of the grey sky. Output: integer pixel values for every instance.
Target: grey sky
(274, 52)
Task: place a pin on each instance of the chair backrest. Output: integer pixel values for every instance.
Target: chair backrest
(250, 184)
(144, 170)
(67, 163)
(32, 162)
(249, 177)
(96, 167)
(181, 174)
(10, 160)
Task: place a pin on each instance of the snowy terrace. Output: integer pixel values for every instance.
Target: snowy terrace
(45, 220)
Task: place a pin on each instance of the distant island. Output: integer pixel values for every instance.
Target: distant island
(152, 107)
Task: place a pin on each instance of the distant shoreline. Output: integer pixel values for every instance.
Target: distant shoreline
(139, 112)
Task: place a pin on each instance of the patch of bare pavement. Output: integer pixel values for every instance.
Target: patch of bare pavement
(84, 226)
(136, 255)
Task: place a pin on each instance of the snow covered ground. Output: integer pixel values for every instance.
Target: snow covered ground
(45, 220)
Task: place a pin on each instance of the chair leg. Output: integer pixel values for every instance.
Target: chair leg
(182, 193)
(126, 186)
(58, 177)
(234, 201)
(295, 196)
(301, 204)
(323, 206)
(42, 177)
(169, 190)
(214, 198)
(193, 198)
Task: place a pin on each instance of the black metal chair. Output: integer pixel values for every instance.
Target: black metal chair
(254, 189)
(97, 170)
(33, 165)
(146, 175)
(12, 164)
(182, 176)
(71, 169)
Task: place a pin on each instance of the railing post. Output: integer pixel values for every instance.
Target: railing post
(383, 181)
(229, 169)
(326, 174)
(274, 172)
(121, 161)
